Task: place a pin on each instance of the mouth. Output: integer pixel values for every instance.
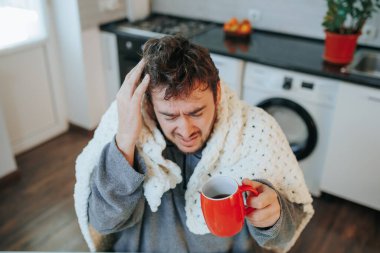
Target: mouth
(189, 142)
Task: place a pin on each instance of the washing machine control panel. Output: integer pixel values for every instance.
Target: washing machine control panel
(285, 83)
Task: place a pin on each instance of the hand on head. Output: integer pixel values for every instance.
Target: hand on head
(129, 99)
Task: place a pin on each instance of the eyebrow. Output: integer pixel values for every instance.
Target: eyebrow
(189, 113)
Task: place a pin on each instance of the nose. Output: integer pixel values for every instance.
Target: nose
(185, 128)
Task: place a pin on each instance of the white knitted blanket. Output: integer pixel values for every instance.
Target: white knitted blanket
(246, 142)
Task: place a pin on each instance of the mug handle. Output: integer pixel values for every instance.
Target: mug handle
(245, 188)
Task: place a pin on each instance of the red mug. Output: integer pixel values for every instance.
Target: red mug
(223, 205)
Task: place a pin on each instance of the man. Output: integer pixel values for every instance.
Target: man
(187, 128)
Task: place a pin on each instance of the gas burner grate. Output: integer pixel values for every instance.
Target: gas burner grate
(160, 26)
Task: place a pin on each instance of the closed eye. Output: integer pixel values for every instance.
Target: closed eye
(198, 112)
(171, 118)
(195, 115)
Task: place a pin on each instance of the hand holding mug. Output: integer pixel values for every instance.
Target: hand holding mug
(266, 205)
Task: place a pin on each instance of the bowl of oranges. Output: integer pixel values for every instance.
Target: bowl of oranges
(235, 28)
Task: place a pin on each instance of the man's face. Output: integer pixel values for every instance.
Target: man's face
(187, 122)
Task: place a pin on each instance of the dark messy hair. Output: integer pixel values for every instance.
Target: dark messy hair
(179, 67)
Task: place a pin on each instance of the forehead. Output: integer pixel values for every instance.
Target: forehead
(197, 97)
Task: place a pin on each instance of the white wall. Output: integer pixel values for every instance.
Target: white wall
(70, 47)
(91, 14)
(298, 17)
(80, 53)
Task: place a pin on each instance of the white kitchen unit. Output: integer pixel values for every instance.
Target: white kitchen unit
(110, 65)
(230, 71)
(7, 162)
(352, 169)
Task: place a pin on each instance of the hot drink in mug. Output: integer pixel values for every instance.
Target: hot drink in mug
(223, 206)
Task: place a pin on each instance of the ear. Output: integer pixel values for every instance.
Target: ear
(218, 93)
(149, 108)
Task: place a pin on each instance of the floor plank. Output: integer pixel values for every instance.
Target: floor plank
(37, 213)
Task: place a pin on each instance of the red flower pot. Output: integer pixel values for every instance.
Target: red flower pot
(340, 48)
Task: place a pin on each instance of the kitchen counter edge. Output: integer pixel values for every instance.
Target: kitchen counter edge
(320, 68)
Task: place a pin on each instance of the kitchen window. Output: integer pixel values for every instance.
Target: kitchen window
(21, 22)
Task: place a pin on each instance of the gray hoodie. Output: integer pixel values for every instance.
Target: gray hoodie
(117, 205)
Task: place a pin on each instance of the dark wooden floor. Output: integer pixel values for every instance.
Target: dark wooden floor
(37, 213)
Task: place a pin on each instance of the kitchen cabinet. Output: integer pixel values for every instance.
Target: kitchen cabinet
(352, 168)
(28, 104)
(7, 161)
(110, 65)
(230, 71)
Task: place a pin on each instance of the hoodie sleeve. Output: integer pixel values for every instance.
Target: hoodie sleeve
(278, 236)
(116, 200)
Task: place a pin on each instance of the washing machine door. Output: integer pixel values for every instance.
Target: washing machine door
(297, 124)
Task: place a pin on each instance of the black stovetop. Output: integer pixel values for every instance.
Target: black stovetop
(158, 26)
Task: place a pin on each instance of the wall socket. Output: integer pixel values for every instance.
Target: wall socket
(254, 15)
(369, 33)
(109, 5)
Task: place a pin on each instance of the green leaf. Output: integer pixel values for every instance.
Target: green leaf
(348, 16)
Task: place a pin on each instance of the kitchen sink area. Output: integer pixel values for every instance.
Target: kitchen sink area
(366, 62)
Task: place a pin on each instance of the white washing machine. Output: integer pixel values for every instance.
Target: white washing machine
(302, 105)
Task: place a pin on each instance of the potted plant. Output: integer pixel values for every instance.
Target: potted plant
(343, 23)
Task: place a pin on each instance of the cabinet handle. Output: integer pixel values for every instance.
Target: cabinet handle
(374, 99)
